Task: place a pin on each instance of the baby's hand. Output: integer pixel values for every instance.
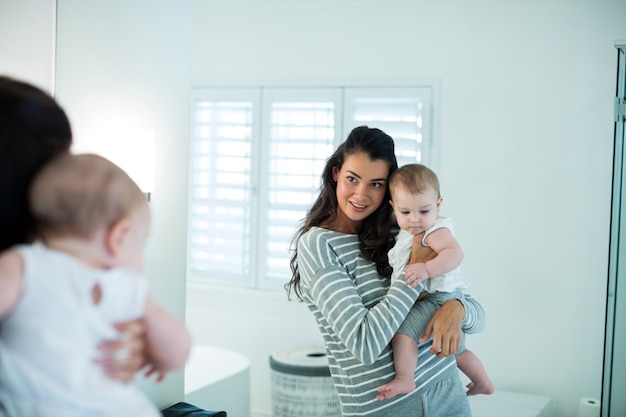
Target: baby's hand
(160, 376)
(415, 274)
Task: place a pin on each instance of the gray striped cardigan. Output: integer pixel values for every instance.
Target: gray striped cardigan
(358, 312)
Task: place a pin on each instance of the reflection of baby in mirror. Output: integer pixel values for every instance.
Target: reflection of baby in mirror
(416, 202)
(59, 300)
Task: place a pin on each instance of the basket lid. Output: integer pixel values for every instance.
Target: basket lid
(307, 360)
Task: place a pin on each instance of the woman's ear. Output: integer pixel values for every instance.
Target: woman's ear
(115, 236)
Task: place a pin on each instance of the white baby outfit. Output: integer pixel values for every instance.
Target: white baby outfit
(48, 343)
(440, 289)
(400, 254)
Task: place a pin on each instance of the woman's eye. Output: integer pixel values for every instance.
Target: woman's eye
(376, 185)
(351, 179)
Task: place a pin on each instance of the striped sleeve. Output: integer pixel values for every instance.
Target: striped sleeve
(474, 321)
(327, 273)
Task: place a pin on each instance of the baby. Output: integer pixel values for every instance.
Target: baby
(416, 202)
(59, 298)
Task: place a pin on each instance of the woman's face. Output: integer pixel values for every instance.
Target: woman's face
(361, 186)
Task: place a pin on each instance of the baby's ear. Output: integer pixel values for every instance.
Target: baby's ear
(115, 236)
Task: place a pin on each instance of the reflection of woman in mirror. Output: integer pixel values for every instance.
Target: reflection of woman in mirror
(416, 201)
(341, 271)
(33, 130)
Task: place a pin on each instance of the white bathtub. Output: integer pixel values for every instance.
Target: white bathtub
(510, 404)
(218, 379)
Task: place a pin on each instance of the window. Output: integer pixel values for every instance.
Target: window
(257, 155)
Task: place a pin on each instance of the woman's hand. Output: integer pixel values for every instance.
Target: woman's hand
(445, 327)
(420, 253)
(121, 359)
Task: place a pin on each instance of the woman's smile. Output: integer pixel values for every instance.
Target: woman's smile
(358, 206)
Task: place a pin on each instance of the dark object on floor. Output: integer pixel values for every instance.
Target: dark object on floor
(187, 410)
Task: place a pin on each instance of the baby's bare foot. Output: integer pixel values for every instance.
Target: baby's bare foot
(476, 389)
(395, 387)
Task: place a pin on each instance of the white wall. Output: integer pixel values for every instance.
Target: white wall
(121, 62)
(525, 140)
(525, 158)
(136, 56)
(27, 41)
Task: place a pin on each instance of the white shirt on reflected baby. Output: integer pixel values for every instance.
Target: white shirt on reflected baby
(48, 343)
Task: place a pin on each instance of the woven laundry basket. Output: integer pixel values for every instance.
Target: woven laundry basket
(301, 384)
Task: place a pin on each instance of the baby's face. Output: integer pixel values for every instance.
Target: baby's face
(415, 213)
(131, 254)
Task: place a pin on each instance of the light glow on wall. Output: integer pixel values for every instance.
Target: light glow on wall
(116, 129)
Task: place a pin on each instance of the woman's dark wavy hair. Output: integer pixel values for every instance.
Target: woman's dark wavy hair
(375, 233)
(33, 129)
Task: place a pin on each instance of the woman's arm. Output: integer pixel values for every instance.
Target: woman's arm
(446, 325)
(474, 315)
(337, 298)
(453, 317)
(445, 328)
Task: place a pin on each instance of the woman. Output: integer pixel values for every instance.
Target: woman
(340, 269)
(34, 129)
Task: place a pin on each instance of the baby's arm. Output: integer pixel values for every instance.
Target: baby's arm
(449, 253)
(11, 273)
(168, 340)
(449, 256)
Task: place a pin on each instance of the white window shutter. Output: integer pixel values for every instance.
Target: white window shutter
(404, 113)
(221, 201)
(300, 135)
(257, 156)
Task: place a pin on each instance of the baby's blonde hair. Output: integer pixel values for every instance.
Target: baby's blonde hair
(75, 195)
(415, 178)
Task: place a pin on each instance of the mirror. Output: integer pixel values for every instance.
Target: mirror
(614, 375)
(522, 132)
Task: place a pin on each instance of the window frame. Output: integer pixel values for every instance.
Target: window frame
(261, 95)
(270, 95)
